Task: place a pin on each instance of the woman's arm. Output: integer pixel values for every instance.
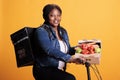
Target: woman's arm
(45, 43)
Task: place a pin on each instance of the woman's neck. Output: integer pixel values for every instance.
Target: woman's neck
(55, 29)
(57, 33)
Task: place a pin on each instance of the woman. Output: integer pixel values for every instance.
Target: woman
(53, 50)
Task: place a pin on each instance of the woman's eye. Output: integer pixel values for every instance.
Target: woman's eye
(51, 15)
(59, 15)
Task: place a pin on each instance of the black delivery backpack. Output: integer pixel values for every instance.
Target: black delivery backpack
(23, 45)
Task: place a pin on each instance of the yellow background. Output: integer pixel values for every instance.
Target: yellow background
(83, 19)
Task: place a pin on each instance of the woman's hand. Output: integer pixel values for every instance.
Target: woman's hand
(77, 60)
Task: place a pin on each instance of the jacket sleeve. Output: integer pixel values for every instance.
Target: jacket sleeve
(72, 51)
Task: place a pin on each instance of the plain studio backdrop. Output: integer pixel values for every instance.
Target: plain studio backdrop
(83, 19)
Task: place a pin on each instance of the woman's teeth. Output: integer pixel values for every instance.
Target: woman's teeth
(55, 21)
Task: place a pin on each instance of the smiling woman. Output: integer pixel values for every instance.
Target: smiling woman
(53, 49)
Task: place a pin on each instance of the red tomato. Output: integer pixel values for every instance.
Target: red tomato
(92, 52)
(91, 47)
(85, 52)
(84, 46)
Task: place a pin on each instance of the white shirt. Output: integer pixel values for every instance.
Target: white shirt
(63, 48)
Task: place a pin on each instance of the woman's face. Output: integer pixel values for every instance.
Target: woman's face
(54, 17)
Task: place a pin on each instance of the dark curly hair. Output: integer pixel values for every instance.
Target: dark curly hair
(48, 8)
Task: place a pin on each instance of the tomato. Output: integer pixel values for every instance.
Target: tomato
(91, 47)
(85, 52)
(91, 52)
(84, 46)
